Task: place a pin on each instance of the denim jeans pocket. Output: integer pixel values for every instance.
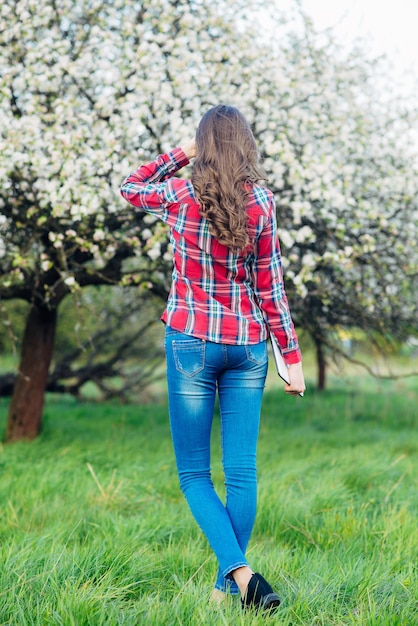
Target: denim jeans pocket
(189, 355)
(257, 353)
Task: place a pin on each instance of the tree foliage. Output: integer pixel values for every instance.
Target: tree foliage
(91, 89)
(342, 152)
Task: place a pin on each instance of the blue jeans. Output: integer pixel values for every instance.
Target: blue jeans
(195, 370)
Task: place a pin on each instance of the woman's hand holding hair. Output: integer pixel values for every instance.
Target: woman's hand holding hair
(297, 380)
(189, 148)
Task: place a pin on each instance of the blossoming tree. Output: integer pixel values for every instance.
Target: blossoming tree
(342, 154)
(90, 89)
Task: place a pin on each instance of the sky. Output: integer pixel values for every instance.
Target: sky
(389, 26)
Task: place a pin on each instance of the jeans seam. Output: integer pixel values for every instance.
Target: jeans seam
(225, 355)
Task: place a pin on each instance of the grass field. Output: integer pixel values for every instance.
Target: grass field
(94, 529)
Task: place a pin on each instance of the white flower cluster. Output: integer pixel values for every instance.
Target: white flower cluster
(88, 93)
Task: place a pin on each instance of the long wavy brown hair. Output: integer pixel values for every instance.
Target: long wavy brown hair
(226, 167)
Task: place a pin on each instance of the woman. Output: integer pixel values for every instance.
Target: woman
(227, 294)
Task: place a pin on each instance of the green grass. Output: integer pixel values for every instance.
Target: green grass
(95, 531)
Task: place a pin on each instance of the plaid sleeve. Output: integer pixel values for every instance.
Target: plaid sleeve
(270, 292)
(149, 188)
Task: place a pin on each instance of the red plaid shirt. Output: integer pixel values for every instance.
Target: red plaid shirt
(217, 295)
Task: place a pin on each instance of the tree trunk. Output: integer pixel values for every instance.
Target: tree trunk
(321, 364)
(26, 406)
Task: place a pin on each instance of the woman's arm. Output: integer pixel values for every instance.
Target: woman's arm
(148, 188)
(270, 292)
(271, 296)
(272, 299)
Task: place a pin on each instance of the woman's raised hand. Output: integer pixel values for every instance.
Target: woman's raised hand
(189, 148)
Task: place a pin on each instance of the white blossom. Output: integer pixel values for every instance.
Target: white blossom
(155, 252)
(79, 111)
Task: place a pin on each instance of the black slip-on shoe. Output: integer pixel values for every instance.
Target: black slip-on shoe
(260, 595)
